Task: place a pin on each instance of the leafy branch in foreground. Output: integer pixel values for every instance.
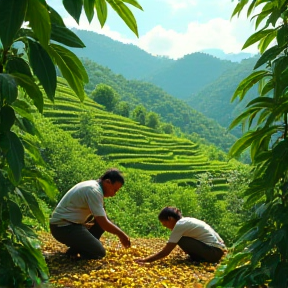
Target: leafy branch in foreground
(32, 35)
(260, 256)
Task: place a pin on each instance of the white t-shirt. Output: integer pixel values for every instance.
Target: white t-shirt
(82, 200)
(197, 229)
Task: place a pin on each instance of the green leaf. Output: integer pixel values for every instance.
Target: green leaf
(268, 55)
(17, 259)
(39, 21)
(55, 18)
(44, 182)
(33, 151)
(127, 16)
(3, 186)
(242, 117)
(239, 7)
(262, 102)
(101, 9)
(15, 153)
(68, 64)
(32, 203)
(267, 87)
(7, 118)
(8, 88)
(17, 65)
(14, 213)
(31, 89)
(89, 9)
(257, 37)
(74, 8)
(23, 109)
(27, 126)
(247, 83)
(264, 42)
(282, 36)
(43, 68)
(134, 3)
(66, 36)
(12, 15)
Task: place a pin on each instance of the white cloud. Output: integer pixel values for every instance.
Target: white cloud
(216, 33)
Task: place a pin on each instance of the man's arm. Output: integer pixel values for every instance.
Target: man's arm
(161, 254)
(108, 226)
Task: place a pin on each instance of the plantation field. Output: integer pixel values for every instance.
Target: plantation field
(164, 157)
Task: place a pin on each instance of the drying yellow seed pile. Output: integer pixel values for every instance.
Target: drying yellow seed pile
(118, 268)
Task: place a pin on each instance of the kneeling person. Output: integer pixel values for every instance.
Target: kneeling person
(195, 237)
(83, 202)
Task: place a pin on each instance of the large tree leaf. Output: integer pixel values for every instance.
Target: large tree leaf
(44, 182)
(43, 68)
(15, 153)
(23, 109)
(31, 89)
(32, 203)
(12, 15)
(265, 42)
(248, 82)
(127, 16)
(89, 9)
(268, 55)
(39, 21)
(65, 36)
(17, 65)
(257, 37)
(14, 213)
(55, 18)
(74, 8)
(7, 118)
(68, 64)
(134, 3)
(101, 9)
(8, 88)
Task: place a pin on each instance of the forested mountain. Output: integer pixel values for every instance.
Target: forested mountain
(125, 59)
(190, 73)
(214, 100)
(153, 98)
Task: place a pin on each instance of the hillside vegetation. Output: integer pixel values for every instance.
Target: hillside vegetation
(126, 142)
(153, 98)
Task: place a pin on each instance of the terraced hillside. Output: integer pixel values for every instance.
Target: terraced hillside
(164, 157)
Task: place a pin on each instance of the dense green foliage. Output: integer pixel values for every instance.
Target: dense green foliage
(136, 206)
(163, 156)
(260, 255)
(32, 35)
(154, 99)
(213, 100)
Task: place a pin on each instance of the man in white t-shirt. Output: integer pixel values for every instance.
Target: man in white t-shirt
(84, 203)
(195, 237)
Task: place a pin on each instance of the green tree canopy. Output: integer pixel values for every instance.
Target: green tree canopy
(106, 96)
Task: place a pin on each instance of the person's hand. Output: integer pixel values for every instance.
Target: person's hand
(140, 261)
(124, 239)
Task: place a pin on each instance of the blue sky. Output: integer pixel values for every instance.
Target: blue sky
(174, 28)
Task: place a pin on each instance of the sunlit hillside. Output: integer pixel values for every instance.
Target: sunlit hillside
(164, 157)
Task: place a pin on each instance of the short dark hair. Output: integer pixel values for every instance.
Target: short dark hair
(169, 212)
(114, 175)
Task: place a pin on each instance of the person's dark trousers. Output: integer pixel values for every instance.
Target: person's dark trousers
(80, 239)
(199, 251)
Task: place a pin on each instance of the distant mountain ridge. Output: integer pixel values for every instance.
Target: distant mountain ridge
(125, 59)
(205, 82)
